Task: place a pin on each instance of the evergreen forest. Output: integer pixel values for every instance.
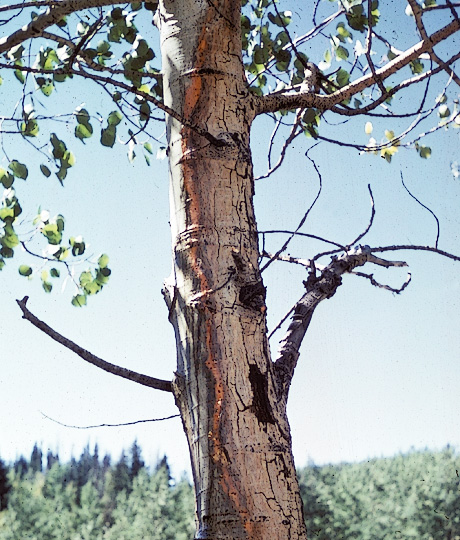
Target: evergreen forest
(410, 496)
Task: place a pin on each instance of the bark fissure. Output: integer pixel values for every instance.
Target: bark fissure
(231, 414)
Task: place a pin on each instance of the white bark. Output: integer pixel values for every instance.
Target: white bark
(225, 384)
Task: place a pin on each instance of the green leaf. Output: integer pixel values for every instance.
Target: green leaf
(341, 53)
(25, 270)
(68, 159)
(10, 239)
(114, 118)
(103, 261)
(416, 66)
(78, 246)
(19, 169)
(424, 151)
(59, 146)
(283, 59)
(47, 88)
(342, 77)
(6, 214)
(19, 76)
(260, 55)
(148, 147)
(54, 272)
(108, 136)
(79, 300)
(103, 47)
(83, 131)
(30, 128)
(85, 278)
(283, 19)
(47, 286)
(102, 276)
(6, 178)
(144, 112)
(52, 233)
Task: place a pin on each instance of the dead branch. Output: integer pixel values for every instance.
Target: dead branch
(145, 380)
(318, 289)
(426, 208)
(304, 218)
(371, 221)
(294, 133)
(370, 277)
(110, 425)
(409, 247)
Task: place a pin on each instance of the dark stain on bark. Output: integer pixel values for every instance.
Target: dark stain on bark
(253, 295)
(260, 403)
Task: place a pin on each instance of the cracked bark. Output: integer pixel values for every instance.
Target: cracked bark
(225, 387)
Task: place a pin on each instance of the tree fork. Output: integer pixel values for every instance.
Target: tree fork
(225, 385)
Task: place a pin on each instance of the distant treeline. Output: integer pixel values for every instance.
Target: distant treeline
(412, 496)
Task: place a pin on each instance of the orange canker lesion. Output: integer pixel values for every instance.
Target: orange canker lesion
(193, 97)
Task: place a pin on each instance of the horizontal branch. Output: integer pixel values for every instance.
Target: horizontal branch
(145, 380)
(405, 247)
(55, 13)
(111, 425)
(292, 100)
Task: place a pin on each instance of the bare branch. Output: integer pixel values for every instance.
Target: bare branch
(287, 258)
(370, 63)
(318, 289)
(426, 208)
(286, 100)
(36, 4)
(370, 277)
(146, 380)
(410, 247)
(294, 133)
(306, 235)
(302, 221)
(109, 425)
(371, 221)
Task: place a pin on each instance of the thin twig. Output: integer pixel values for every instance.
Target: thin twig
(371, 221)
(306, 235)
(109, 425)
(280, 324)
(411, 247)
(370, 277)
(370, 63)
(302, 221)
(426, 208)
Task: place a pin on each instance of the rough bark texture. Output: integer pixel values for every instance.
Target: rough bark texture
(226, 389)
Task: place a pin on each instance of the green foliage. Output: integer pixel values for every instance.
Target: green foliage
(411, 496)
(408, 496)
(89, 499)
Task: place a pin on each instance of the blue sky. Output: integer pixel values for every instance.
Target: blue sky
(378, 374)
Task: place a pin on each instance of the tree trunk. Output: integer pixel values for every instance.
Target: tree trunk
(233, 407)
